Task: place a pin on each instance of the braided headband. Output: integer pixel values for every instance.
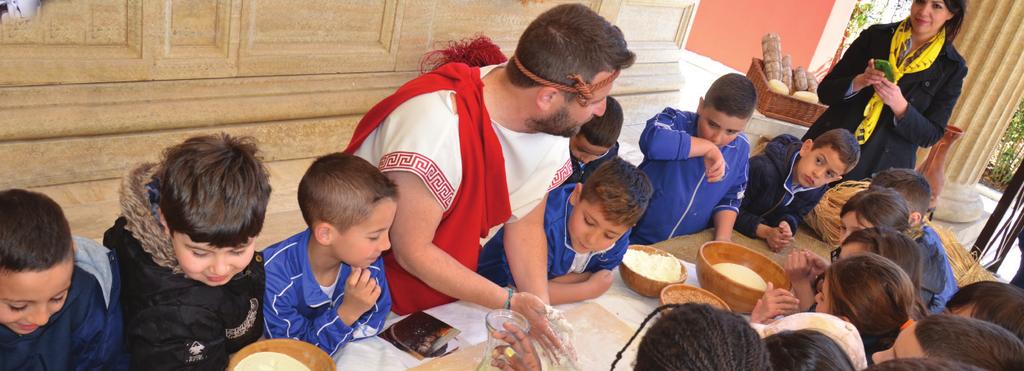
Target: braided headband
(584, 91)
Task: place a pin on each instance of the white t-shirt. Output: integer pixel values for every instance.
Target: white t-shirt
(421, 136)
(329, 290)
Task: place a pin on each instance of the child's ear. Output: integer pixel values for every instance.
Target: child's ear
(574, 198)
(916, 218)
(700, 105)
(806, 148)
(163, 222)
(323, 233)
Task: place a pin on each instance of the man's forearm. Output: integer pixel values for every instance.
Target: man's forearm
(527, 254)
(526, 248)
(445, 274)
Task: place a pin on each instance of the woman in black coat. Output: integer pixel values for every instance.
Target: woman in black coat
(915, 109)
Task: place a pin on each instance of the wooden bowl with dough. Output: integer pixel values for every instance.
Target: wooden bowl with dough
(740, 297)
(306, 353)
(643, 285)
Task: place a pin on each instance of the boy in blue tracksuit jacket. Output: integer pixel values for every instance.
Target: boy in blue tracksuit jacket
(595, 143)
(788, 179)
(39, 269)
(587, 228)
(936, 273)
(326, 285)
(697, 163)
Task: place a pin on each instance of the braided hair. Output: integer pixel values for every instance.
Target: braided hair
(697, 337)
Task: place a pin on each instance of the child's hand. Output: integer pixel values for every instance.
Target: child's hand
(361, 293)
(714, 164)
(818, 265)
(601, 278)
(518, 355)
(797, 267)
(785, 231)
(776, 238)
(774, 303)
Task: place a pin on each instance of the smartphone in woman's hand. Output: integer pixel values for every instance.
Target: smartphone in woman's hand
(885, 67)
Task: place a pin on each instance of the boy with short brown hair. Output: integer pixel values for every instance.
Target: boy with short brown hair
(326, 285)
(698, 161)
(587, 227)
(938, 275)
(192, 279)
(788, 179)
(596, 143)
(59, 306)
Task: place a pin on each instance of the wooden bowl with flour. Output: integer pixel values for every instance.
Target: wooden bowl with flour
(308, 355)
(647, 270)
(737, 274)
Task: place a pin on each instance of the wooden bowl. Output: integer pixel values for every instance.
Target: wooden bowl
(306, 353)
(680, 293)
(739, 297)
(643, 285)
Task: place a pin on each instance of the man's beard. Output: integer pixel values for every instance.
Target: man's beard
(557, 123)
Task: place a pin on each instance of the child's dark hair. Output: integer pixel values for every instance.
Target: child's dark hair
(603, 131)
(697, 337)
(913, 187)
(843, 142)
(880, 207)
(970, 341)
(995, 302)
(732, 94)
(34, 234)
(874, 294)
(892, 245)
(622, 191)
(923, 364)
(806, 350)
(214, 189)
(342, 190)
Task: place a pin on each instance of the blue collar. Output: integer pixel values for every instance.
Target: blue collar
(792, 185)
(312, 294)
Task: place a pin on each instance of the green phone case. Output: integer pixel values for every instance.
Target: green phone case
(884, 66)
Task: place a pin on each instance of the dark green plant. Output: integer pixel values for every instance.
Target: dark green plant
(1009, 152)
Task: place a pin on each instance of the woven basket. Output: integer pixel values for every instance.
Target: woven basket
(824, 218)
(779, 106)
(966, 270)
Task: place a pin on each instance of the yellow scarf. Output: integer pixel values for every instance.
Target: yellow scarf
(902, 64)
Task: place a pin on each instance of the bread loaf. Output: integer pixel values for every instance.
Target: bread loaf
(771, 47)
(787, 71)
(800, 79)
(777, 86)
(806, 96)
(812, 82)
(773, 70)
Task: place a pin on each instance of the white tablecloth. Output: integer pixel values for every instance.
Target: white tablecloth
(377, 354)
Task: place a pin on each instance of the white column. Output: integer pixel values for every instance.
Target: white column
(992, 42)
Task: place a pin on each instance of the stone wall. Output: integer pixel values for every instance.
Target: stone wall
(90, 87)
